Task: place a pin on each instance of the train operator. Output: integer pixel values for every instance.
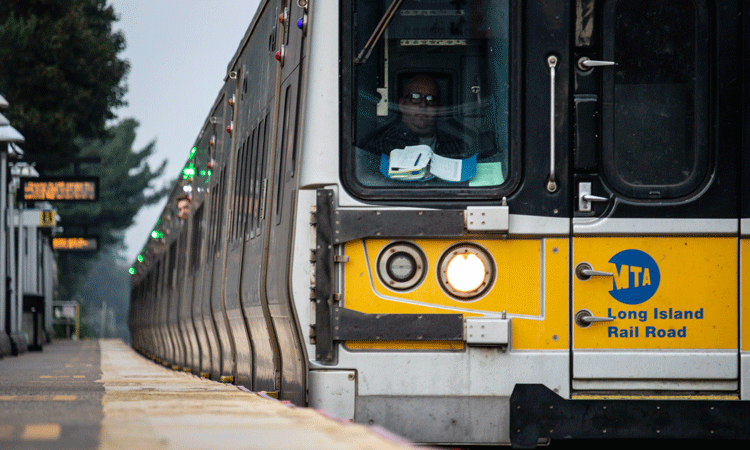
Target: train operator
(419, 107)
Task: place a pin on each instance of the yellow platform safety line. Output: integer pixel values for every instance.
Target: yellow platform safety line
(653, 397)
(41, 432)
(62, 376)
(39, 398)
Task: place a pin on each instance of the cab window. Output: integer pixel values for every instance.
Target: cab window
(429, 97)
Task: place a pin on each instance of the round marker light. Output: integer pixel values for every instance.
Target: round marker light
(466, 271)
(401, 266)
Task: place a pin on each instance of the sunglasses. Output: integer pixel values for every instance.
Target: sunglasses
(416, 98)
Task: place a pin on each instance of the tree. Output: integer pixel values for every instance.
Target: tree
(125, 186)
(113, 295)
(60, 73)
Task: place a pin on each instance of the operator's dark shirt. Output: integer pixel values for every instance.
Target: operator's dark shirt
(397, 135)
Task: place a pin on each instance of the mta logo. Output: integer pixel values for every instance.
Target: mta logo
(635, 278)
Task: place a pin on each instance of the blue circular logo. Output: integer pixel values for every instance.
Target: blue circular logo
(635, 278)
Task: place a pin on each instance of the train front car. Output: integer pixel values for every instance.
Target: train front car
(531, 226)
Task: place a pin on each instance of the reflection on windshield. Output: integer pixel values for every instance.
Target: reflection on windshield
(431, 101)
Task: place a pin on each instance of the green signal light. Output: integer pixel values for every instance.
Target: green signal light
(188, 171)
(192, 152)
(156, 234)
(140, 258)
(132, 271)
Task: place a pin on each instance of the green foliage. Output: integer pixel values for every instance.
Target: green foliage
(125, 182)
(60, 73)
(125, 186)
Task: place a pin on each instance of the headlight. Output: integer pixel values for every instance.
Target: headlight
(466, 271)
(401, 266)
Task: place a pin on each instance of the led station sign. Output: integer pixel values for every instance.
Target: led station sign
(67, 189)
(75, 243)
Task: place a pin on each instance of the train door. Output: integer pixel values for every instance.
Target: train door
(211, 306)
(202, 349)
(282, 205)
(655, 227)
(183, 307)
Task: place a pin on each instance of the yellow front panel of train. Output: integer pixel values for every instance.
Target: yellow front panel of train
(530, 285)
(656, 293)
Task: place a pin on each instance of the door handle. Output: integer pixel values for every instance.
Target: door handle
(594, 198)
(584, 271)
(585, 197)
(584, 318)
(584, 63)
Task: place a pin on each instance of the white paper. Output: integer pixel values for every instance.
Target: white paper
(448, 169)
(410, 158)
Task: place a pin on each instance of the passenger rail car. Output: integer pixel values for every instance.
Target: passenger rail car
(471, 221)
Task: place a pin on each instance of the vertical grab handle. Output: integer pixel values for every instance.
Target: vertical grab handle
(552, 64)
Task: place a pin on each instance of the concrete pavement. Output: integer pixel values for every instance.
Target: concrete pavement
(103, 395)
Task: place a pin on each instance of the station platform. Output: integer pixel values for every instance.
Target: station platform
(103, 395)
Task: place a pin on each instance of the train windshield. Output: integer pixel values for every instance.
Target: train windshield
(429, 95)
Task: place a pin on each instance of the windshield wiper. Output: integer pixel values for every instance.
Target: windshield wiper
(375, 37)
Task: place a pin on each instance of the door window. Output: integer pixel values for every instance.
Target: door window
(655, 99)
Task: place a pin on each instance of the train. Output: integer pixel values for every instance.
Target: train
(471, 222)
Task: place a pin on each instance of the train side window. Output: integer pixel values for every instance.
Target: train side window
(655, 100)
(157, 281)
(258, 211)
(245, 193)
(256, 174)
(197, 239)
(281, 169)
(220, 211)
(247, 180)
(172, 264)
(237, 198)
(182, 259)
(429, 98)
(217, 214)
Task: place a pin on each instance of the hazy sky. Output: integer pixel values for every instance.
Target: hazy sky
(178, 52)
